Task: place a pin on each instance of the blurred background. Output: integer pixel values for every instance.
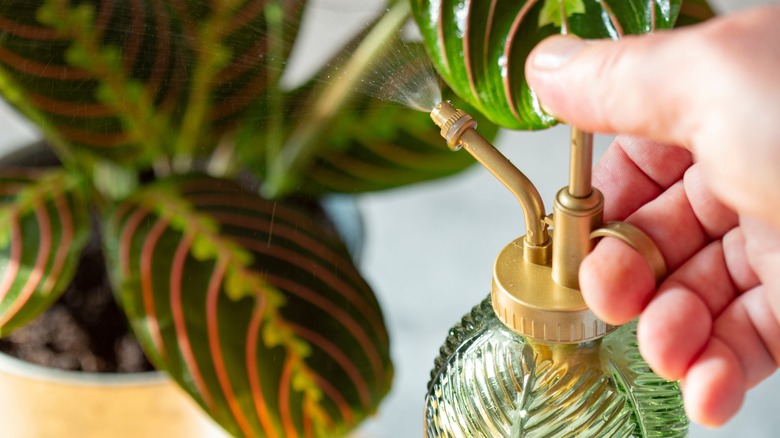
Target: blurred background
(430, 248)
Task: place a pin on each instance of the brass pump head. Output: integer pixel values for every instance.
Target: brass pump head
(535, 278)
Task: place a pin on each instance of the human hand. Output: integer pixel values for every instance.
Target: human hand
(700, 175)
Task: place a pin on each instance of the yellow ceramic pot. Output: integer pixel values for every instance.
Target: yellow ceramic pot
(40, 402)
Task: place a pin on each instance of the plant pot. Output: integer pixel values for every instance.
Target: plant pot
(36, 402)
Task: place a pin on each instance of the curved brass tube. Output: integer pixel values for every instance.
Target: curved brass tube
(457, 128)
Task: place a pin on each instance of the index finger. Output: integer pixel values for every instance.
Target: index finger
(634, 171)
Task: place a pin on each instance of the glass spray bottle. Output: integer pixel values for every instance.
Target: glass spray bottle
(532, 360)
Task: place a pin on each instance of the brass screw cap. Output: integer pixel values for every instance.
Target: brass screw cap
(527, 300)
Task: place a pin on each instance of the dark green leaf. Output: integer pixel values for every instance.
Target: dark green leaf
(269, 326)
(44, 225)
(480, 47)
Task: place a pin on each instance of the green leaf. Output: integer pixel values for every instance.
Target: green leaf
(480, 47)
(131, 81)
(557, 12)
(297, 345)
(44, 225)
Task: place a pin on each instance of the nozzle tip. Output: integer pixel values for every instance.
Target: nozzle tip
(453, 123)
(442, 112)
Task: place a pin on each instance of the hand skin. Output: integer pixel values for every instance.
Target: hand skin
(697, 167)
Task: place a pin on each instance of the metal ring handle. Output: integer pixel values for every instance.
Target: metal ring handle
(638, 240)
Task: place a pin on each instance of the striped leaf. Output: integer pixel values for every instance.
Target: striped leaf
(480, 47)
(253, 307)
(44, 225)
(378, 146)
(131, 78)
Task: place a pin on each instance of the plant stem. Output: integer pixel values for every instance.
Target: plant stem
(212, 56)
(275, 14)
(301, 147)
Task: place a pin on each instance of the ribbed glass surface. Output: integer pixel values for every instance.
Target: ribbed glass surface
(489, 382)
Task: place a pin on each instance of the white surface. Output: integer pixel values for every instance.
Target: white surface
(431, 247)
(14, 131)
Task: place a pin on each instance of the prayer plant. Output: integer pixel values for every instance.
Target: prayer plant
(181, 149)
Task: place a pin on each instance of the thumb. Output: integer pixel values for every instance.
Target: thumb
(637, 86)
(711, 88)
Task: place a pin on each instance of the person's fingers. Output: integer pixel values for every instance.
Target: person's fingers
(634, 171)
(673, 331)
(698, 293)
(744, 350)
(750, 330)
(735, 256)
(762, 246)
(683, 219)
(707, 275)
(714, 386)
(711, 325)
(616, 282)
(714, 217)
(671, 222)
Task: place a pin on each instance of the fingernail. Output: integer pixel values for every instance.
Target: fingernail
(554, 53)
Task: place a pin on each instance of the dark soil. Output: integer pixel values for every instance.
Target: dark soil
(84, 330)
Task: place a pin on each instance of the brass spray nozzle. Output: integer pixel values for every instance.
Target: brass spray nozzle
(458, 128)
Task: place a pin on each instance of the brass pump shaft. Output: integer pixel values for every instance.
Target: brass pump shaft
(577, 211)
(457, 128)
(581, 162)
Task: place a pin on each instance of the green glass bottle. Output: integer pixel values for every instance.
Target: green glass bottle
(489, 381)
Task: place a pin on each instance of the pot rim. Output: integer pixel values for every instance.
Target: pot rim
(21, 368)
